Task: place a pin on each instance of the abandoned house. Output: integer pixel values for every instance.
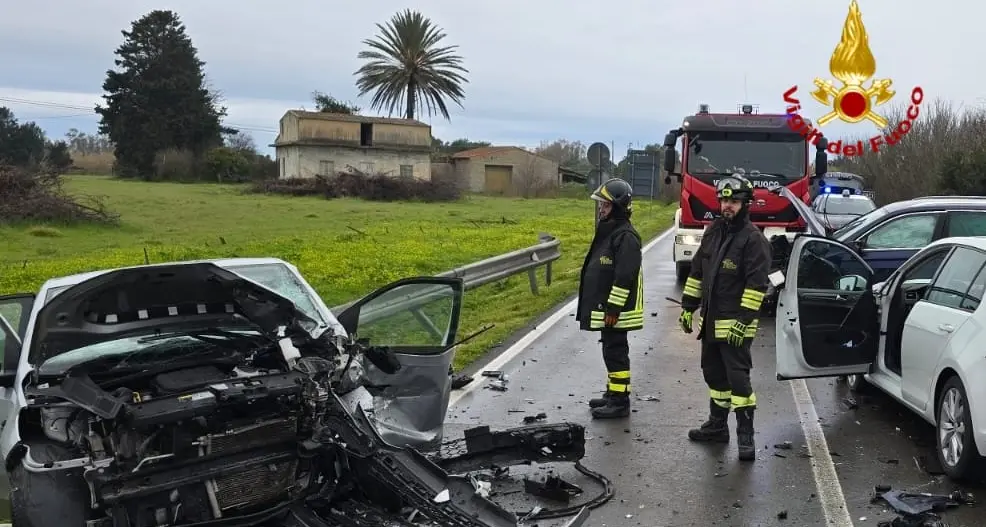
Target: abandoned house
(502, 169)
(317, 143)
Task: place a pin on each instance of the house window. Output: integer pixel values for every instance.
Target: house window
(366, 167)
(326, 168)
(407, 171)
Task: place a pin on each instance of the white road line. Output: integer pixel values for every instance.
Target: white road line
(508, 354)
(834, 505)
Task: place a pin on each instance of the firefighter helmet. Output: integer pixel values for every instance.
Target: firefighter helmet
(615, 191)
(735, 187)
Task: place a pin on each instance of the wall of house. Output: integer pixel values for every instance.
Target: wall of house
(385, 134)
(309, 161)
(529, 171)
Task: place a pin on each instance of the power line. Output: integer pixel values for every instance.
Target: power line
(92, 112)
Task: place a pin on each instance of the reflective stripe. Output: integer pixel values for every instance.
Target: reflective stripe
(619, 381)
(723, 326)
(632, 319)
(752, 299)
(744, 402)
(618, 296)
(693, 287)
(720, 398)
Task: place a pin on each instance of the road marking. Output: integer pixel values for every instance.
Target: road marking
(510, 353)
(834, 505)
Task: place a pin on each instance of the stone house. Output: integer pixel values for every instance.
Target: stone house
(317, 143)
(503, 170)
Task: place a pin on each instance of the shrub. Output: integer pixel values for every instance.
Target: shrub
(377, 187)
(36, 195)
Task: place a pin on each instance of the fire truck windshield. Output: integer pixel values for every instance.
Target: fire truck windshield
(712, 154)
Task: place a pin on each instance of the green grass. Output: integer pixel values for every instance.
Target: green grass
(345, 248)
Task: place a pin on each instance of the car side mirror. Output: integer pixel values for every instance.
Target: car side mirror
(821, 157)
(669, 158)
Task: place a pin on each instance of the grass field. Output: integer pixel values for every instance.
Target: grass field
(345, 248)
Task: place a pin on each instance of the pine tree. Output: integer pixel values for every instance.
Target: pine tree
(158, 98)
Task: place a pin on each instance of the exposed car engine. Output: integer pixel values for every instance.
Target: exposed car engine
(199, 442)
(207, 400)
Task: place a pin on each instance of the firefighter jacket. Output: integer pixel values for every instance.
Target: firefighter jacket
(728, 278)
(612, 280)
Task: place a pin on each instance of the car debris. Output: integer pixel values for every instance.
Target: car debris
(226, 393)
(552, 488)
(918, 509)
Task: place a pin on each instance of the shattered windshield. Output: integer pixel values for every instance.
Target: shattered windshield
(714, 153)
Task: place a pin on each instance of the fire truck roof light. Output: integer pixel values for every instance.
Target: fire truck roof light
(747, 108)
(703, 108)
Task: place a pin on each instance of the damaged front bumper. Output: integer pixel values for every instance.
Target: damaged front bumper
(401, 487)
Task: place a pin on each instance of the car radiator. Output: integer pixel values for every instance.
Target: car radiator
(261, 483)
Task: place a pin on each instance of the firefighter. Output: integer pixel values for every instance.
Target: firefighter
(611, 293)
(728, 281)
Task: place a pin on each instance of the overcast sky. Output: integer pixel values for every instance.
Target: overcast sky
(618, 71)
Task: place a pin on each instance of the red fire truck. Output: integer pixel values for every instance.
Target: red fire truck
(763, 148)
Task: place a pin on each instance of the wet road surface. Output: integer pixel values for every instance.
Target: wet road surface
(662, 479)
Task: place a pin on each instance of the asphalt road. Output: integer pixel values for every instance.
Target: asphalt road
(662, 479)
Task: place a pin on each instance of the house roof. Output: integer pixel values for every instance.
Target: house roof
(301, 114)
(488, 151)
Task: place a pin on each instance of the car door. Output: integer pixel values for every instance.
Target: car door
(892, 242)
(947, 303)
(417, 319)
(827, 323)
(16, 312)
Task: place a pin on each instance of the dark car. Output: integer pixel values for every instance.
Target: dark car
(889, 235)
(836, 210)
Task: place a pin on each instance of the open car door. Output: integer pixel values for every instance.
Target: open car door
(15, 312)
(827, 323)
(417, 319)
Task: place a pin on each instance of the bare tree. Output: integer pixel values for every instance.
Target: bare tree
(913, 166)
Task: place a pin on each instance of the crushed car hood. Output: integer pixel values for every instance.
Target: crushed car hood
(140, 300)
(815, 226)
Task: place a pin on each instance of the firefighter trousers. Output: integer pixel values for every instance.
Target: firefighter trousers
(726, 369)
(616, 356)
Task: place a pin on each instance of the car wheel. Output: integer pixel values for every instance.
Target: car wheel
(956, 448)
(39, 499)
(856, 383)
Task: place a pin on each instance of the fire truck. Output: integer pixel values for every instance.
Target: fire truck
(760, 146)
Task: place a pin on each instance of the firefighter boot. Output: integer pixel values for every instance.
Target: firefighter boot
(744, 434)
(600, 401)
(617, 405)
(716, 429)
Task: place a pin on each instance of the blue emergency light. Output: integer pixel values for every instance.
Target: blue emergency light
(828, 190)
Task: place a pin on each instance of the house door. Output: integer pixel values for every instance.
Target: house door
(498, 178)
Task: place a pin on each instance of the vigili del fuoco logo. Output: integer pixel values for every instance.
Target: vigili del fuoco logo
(853, 64)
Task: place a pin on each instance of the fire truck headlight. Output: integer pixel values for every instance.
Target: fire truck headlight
(688, 239)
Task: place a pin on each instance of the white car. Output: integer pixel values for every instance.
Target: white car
(918, 336)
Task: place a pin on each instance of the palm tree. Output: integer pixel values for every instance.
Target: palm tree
(406, 62)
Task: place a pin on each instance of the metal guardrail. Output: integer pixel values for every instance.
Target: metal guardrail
(478, 274)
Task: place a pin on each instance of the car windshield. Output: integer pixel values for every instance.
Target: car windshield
(867, 218)
(170, 345)
(847, 206)
(713, 153)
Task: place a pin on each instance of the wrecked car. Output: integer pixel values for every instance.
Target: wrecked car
(225, 393)
(916, 336)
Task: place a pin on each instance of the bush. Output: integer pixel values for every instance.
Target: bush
(36, 195)
(941, 154)
(377, 187)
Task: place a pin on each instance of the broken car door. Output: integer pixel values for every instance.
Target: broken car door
(411, 323)
(935, 319)
(826, 317)
(15, 310)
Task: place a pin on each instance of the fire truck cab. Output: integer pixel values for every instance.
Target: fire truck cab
(763, 148)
